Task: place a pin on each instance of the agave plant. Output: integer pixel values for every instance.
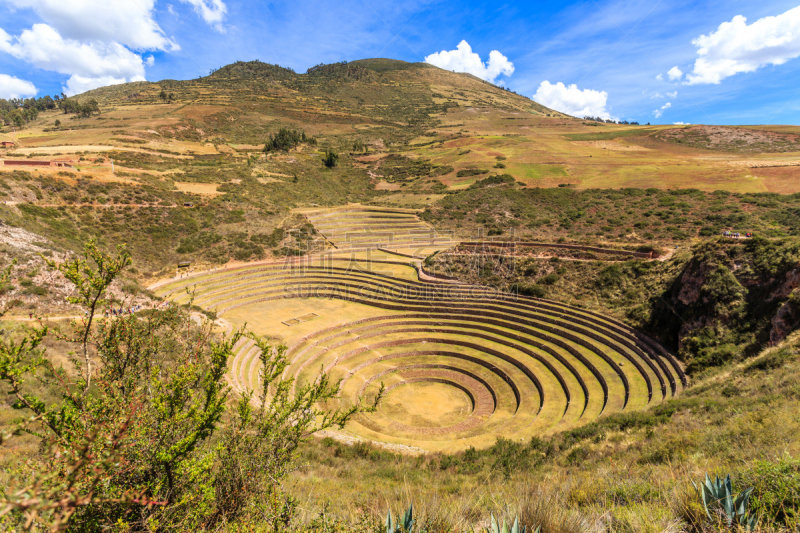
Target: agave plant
(718, 501)
(398, 526)
(496, 528)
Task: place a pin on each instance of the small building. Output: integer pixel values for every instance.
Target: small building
(7, 144)
(184, 264)
(188, 204)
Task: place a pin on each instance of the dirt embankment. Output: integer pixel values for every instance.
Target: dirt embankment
(731, 139)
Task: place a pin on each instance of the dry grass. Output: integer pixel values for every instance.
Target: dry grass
(205, 189)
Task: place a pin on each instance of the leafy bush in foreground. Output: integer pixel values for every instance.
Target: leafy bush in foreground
(143, 437)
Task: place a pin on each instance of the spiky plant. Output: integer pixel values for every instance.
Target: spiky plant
(719, 502)
(398, 526)
(496, 528)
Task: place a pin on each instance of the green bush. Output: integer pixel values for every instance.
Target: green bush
(549, 279)
(331, 158)
(470, 172)
(284, 140)
(610, 276)
(501, 179)
(35, 290)
(771, 361)
(577, 456)
(269, 239)
(529, 289)
(776, 491)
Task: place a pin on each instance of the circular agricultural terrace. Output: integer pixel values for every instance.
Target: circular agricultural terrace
(461, 364)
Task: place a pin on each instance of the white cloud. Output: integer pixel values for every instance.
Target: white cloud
(658, 112)
(736, 47)
(211, 11)
(130, 23)
(97, 42)
(673, 94)
(90, 65)
(11, 87)
(681, 123)
(660, 77)
(675, 73)
(463, 59)
(573, 101)
(79, 84)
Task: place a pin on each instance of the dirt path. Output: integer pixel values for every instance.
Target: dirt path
(561, 258)
(17, 202)
(38, 318)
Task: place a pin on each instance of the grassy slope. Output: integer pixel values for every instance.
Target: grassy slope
(630, 216)
(633, 469)
(428, 132)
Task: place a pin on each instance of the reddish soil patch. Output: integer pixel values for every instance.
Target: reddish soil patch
(370, 158)
(783, 180)
(732, 139)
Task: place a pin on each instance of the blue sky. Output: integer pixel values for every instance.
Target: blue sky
(731, 62)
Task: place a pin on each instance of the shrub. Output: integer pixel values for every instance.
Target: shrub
(776, 491)
(529, 289)
(501, 179)
(771, 361)
(549, 279)
(331, 158)
(707, 231)
(470, 172)
(284, 140)
(577, 456)
(150, 447)
(610, 276)
(35, 290)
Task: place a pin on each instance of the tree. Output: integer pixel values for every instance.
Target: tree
(57, 123)
(359, 146)
(284, 140)
(89, 108)
(163, 94)
(331, 158)
(135, 441)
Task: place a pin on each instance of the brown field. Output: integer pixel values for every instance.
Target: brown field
(206, 189)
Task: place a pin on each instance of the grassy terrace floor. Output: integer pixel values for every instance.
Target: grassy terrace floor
(358, 228)
(461, 364)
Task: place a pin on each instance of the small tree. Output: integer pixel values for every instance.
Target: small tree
(359, 146)
(134, 442)
(57, 123)
(284, 140)
(162, 94)
(331, 158)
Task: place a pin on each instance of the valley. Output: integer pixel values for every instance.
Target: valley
(387, 283)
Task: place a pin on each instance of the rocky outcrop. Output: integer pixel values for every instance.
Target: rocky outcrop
(791, 282)
(786, 320)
